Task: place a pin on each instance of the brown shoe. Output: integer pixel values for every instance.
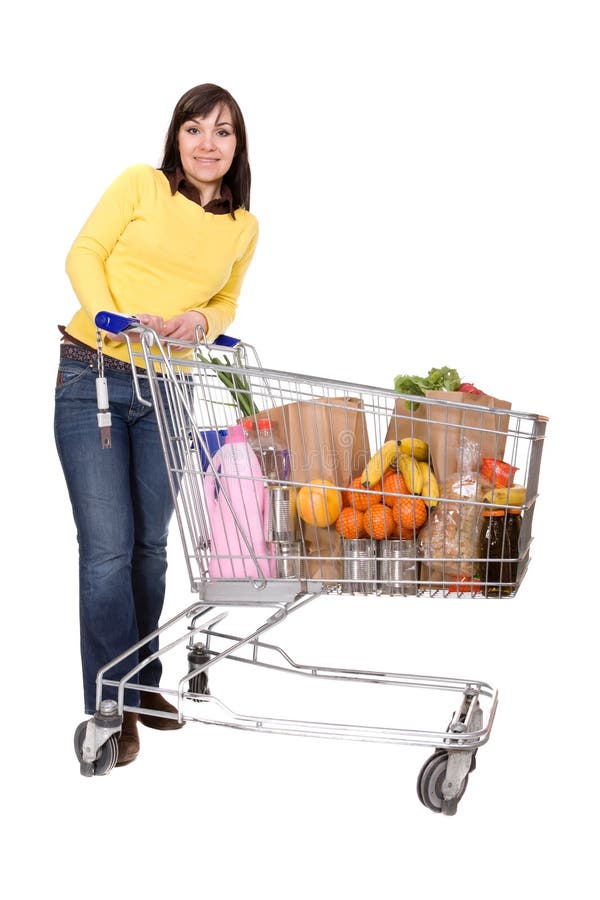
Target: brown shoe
(129, 742)
(158, 703)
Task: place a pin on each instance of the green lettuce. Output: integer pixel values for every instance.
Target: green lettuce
(444, 379)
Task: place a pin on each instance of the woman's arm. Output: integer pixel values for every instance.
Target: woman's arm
(93, 245)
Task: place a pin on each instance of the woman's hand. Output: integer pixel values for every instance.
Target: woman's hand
(179, 328)
(183, 327)
(156, 323)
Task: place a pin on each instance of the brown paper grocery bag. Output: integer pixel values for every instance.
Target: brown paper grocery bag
(327, 439)
(448, 424)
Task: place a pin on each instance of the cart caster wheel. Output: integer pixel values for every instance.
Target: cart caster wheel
(430, 781)
(106, 757)
(199, 683)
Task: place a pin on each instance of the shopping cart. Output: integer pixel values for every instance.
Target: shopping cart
(382, 493)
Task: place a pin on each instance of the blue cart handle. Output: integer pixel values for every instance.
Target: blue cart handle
(116, 323)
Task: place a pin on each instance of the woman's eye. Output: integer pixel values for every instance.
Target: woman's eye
(222, 132)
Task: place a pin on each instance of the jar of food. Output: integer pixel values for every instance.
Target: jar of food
(496, 564)
(513, 531)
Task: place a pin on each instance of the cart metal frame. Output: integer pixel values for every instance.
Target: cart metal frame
(198, 629)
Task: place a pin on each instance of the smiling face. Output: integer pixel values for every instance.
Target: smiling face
(207, 147)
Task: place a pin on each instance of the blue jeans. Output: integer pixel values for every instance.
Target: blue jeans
(122, 505)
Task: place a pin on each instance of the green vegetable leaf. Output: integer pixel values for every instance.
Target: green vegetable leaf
(443, 379)
(408, 384)
(237, 385)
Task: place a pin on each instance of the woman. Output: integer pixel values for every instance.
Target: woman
(170, 245)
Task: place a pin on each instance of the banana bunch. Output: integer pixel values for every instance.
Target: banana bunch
(379, 462)
(430, 489)
(419, 478)
(410, 457)
(501, 496)
(414, 447)
(411, 472)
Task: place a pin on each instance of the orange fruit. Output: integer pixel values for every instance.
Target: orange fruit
(379, 521)
(376, 491)
(393, 484)
(319, 503)
(398, 532)
(406, 534)
(410, 512)
(361, 497)
(351, 522)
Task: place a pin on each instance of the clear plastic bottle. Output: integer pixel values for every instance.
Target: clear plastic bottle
(273, 455)
(250, 434)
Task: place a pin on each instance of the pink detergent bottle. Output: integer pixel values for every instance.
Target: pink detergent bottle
(241, 480)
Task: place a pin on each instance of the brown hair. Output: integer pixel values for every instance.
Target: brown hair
(200, 101)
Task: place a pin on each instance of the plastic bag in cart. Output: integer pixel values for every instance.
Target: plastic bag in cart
(450, 539)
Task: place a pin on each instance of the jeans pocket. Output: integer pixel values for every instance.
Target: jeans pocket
(70, 372)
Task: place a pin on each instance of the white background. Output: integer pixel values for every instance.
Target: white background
(427, 188)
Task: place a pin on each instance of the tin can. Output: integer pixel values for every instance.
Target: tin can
(282, 517)
(398, 567)
(288, 559)
(359, 566)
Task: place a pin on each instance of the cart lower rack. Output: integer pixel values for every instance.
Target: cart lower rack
(289, 488)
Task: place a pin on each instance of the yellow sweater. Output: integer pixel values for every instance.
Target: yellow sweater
(145, 250)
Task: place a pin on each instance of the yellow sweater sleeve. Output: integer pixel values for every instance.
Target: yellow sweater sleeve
(93, 245)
